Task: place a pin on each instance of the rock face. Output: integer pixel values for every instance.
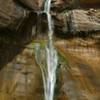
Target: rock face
(59, 5)
(84, 21)
(25, 79)
(20, 15)
(32, 4)
(11, 14)
(90, 3)
(77, 21)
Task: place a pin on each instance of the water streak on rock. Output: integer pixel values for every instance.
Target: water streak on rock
(51, 58)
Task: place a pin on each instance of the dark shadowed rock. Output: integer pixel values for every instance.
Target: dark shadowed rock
(11, 14)
(16, 20)
(59, 5)
(32, 4)
(89, 3)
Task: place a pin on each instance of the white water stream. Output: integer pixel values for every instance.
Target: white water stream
(51, 58)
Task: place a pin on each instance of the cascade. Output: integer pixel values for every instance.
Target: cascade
(51, 58)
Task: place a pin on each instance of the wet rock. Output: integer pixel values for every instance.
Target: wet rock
(42, 24)
(60, 22)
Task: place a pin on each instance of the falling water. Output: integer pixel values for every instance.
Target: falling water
(51, 58)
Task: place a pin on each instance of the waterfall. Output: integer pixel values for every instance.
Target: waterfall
(51, 58)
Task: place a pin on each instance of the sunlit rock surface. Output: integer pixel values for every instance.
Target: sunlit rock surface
(77, 78)
(81, 20)
(20, 77)
(80, 71)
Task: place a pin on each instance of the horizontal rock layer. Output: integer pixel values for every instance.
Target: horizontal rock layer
(77, 21)
(21, 16)
(81, 20)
